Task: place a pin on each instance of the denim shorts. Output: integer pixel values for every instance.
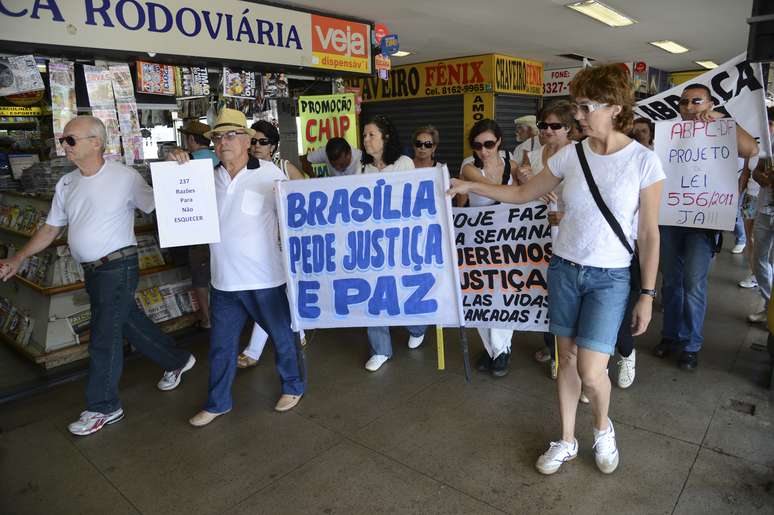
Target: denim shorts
(587, 303)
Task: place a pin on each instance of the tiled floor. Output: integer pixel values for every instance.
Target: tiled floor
(410, 438)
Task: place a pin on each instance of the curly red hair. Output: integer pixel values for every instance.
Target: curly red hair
(610, 84)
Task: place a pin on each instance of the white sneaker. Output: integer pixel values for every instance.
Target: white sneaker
(738, 248)
(92, 421)
(415, 341)
(171, 379)
(583, 398)
(557, 454)
(749, 282)
(375, 362)
(626, 369)
(605, 449)
(759, 317)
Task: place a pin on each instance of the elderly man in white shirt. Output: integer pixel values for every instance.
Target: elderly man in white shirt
(248, 279)
(97, 203)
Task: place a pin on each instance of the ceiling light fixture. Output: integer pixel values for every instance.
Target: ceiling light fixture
(707, 64)
(670, 46)
(602, 13)
(401, 53)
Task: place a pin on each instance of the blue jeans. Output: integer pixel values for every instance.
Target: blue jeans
(740, 237)
(381, 343)
(587, 303)
(686, 256)
(115, 315)
(230, 310)
(764, 253)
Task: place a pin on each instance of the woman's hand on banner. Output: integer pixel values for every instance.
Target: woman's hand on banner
(554, 217)
(549, 197)
(459, 187)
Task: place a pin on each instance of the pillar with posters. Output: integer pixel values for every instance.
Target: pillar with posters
(324, 117)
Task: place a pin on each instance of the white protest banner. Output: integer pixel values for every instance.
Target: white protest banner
(370, 250)
(502, 254)
(738, 90)
(700, 162)
(186, 209)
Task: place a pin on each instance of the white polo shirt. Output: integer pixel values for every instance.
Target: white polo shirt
(99, 209)
(248, 256)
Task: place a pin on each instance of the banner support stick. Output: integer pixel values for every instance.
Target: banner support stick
(465, 354)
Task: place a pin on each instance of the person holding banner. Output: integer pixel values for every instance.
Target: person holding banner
(488, 167)
(248, 279)
(588, 277)
(383, 154)
(686, 253)
(425, 144)
(97, 202)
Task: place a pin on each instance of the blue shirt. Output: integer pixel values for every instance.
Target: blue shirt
(206, 153)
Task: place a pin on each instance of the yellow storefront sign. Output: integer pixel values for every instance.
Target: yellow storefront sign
(476, 74)
(477, 107)
(20, 111)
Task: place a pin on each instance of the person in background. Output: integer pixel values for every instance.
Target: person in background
(527, 137)
(426, 141)
(338, 155)
(382, 153)
(264, 145)
(588, 277)
(196, 143)
(97, 202)
(642, 132)
(488, 167)
(749, 189)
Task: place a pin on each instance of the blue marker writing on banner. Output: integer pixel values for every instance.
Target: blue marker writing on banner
(375, 248)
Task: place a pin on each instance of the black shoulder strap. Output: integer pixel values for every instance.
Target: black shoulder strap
(506, 169)
(598, 199)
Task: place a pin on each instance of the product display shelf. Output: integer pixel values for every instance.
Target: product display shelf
(79, 285)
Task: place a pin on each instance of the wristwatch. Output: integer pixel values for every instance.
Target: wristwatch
(650, 293)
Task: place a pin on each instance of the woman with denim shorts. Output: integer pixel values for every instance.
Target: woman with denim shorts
(588, 277)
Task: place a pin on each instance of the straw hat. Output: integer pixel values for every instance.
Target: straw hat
(194, 127)
(530, 120)
(230, 120)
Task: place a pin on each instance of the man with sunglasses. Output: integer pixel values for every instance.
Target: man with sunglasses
(248, 278)
(686, 253)
(97, 202)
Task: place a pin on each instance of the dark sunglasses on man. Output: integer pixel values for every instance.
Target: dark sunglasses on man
(426, 144)
(259, 141)
(553, 126)
(697, 101)
(489, 145)
(71, 141)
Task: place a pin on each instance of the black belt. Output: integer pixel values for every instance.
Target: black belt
(113, 256)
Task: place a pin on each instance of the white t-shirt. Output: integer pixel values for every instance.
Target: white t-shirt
(319, 157)
(536, 163)
(248, 256)
(403, 163)
(99, 209)
(529, 145)
(585, 236)
(475, 200)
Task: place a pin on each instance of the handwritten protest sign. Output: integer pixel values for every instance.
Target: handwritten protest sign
(186, 209)
(370, 250)
(502, 254)
(324, 117)
(700, 162)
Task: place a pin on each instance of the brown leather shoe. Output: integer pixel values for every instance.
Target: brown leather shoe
(203, 418)
(245, 361)
(287, 402)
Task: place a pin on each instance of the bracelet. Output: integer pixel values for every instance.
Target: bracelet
(649, 293)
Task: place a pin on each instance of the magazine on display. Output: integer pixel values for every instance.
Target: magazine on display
(19, 74)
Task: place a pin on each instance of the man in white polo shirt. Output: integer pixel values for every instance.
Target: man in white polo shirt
(97, 203)
(248, 278)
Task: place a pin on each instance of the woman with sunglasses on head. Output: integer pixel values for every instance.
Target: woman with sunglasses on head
(488, 167)
(425, 145)
(264, 145)
(589, 278)
(382, 153)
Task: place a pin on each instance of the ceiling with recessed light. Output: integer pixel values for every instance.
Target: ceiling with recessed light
(542, 29)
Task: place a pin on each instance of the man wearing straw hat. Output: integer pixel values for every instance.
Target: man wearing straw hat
(248, 279)
(527, 138)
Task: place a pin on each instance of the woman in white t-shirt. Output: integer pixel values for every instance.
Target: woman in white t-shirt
(382, 153)
(588, 278)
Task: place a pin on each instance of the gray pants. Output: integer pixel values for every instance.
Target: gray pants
(381, 343)
(764, 253)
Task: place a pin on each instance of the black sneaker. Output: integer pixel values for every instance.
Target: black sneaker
(500, 364)
(688, 360)
(484, 363)
(664, 348)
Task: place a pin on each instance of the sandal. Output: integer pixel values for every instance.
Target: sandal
(244, 361)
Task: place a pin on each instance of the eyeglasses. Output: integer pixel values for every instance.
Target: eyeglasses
(71, 140)
(697, 101)
(489, 145)
(553, 126)
(260, 141)
(426, 144)
(590, 107)
(228, 136)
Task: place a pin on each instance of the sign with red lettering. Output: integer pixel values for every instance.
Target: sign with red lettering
(341, 44)
(324, 117)
(556, 83)
(700, 162)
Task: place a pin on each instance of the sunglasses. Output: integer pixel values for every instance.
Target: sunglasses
(553, 126)
(489, 145)
(260, 141)
(71, 141)
(426, 144)
(228, 136)
(695, 101)
(590, 107)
